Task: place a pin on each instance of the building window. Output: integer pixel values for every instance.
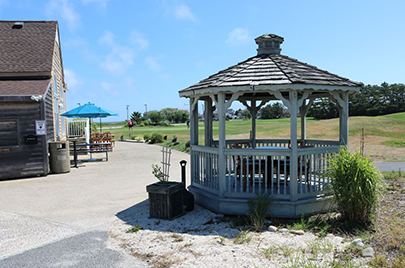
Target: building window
(8, 133)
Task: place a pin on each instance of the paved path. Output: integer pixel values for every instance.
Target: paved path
(391, 166)
(62, 220)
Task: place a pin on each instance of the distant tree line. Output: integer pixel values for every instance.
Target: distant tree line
(163, 117)
(372, 100)
(273, 111)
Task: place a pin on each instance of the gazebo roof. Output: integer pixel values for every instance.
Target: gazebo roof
(271, 70)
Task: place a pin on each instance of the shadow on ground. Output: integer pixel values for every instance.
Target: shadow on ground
(199, 221)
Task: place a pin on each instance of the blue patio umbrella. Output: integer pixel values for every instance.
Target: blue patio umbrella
(89, 110)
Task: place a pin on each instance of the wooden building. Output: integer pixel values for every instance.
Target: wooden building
(32, 96)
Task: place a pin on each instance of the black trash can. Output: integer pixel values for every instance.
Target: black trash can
(59, 159)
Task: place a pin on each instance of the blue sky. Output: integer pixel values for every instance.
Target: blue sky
(136, 52)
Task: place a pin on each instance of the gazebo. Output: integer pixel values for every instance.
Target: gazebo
(225, 174)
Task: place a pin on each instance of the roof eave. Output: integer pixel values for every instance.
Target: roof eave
(186, 93)
(24, 75)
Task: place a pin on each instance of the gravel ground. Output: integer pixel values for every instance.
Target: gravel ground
(202, 238)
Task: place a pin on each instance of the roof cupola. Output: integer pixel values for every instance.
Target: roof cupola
(269, 44)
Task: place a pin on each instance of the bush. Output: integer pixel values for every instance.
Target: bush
(164, 123)
(146, 137)
(156, 138)
(356, 185)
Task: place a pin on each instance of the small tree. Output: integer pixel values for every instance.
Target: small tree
(272, 111)
(155, 117)
(136, 117)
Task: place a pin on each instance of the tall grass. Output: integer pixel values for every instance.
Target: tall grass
(258, 209)
(356, 185)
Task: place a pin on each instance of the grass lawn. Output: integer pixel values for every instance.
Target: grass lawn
(384, 135)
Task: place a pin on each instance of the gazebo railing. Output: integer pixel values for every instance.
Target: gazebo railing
(204, 172)
(314, 171)
(281, 142)
(251, 171)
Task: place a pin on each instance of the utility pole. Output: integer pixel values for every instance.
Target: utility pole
(129, 129)
(146, 110)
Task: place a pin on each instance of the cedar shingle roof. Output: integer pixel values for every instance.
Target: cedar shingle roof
(29, 49)
(273, 69)
(270, 68)
(23, 87)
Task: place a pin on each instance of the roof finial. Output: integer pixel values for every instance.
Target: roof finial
(269, 44)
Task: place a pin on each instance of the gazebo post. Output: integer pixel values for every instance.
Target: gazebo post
(253, 112)
(303, 113)
(304, 110)
(193, 121)
(208, 122)
(221, 144)
(342, 100)
(294, 148)
(345, 132)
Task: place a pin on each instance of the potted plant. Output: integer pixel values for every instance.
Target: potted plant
(165, 197)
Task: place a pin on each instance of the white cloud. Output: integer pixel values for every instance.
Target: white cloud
(125, 87)
(130, 86)
(184, 12)
(238, 36)
(152, 64)
(100, 3)
(107, 38)
(138, 40)
(66, 10)
(111, 89)
(82, 47)
(107, 86)
(72, 80)
(119, 60)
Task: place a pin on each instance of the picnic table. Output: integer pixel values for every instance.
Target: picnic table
(91, 148)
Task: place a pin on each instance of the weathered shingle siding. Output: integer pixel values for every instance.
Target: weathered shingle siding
(49, 115)
(57, 72)
(22, 160)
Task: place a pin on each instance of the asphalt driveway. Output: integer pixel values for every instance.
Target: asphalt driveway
(48, 221)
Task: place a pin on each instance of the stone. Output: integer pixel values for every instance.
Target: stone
(338, 239)
(368, 252)
(272, 228)
(358, 242)
(283, 230)
(297, 232)
(330, 235)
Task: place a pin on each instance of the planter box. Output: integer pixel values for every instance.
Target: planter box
(165, 200)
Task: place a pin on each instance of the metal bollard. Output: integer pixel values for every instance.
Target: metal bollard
(188, 198)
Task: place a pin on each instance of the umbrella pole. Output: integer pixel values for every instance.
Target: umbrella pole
(100, 125)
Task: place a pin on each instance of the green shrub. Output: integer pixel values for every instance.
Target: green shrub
(164, 123)
(146, 137)
(356, 185)
(156, 138)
